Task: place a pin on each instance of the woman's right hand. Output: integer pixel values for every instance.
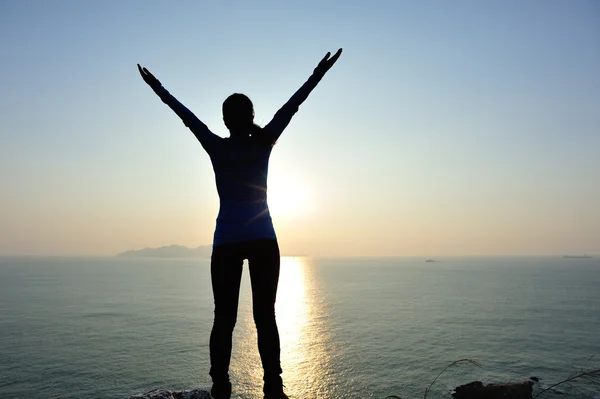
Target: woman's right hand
(148, 77)
(326, 63)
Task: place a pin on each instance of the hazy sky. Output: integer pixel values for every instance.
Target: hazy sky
(446, 128)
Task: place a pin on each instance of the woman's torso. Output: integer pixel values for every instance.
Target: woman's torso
(241, 171)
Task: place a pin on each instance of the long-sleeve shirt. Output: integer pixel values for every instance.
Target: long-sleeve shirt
(241, 168)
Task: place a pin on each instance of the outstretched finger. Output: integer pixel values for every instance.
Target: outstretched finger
(325, 58)
(335, 57)
(140, 69)
(149, 74)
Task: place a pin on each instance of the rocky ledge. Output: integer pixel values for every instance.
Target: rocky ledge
(473, 390)
(166, 394)
(513, 390)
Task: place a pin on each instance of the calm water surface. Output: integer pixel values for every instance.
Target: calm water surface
(350, 328)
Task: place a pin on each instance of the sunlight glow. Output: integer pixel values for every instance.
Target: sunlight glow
(287, 198)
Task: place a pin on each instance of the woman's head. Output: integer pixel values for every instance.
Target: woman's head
(238, 114)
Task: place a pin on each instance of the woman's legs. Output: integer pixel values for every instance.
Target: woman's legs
(264, 262)
(226, 273)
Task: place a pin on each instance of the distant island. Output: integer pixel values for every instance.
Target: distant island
(170, 251)
(584, 256)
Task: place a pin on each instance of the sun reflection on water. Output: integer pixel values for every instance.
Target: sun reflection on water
(291, 307)
(303, 332)
(302, 328)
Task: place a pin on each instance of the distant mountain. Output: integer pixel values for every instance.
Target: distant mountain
(171, 251)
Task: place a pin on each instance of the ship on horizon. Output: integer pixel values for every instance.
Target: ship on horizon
(584, 256)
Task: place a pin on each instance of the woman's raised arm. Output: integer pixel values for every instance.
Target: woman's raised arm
(283, 117)
(208, 139)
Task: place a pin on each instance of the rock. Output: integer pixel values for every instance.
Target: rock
(166, 394)
(476, 390)
(536, 379)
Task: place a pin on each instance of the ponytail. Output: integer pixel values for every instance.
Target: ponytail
(259, 134)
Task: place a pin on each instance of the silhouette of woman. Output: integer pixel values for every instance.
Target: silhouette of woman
(244, 229)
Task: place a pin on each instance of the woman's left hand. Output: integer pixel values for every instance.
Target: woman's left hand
(148, 77)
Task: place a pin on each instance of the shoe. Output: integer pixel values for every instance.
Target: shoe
(221, 390)
(278, 395)
(274, 389)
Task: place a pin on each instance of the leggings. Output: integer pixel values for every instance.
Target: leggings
(226, 274)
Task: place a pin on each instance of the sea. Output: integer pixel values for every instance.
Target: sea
(350, 328)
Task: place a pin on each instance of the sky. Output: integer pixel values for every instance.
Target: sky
(460, 128)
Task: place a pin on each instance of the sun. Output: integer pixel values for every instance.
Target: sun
(287, 198)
